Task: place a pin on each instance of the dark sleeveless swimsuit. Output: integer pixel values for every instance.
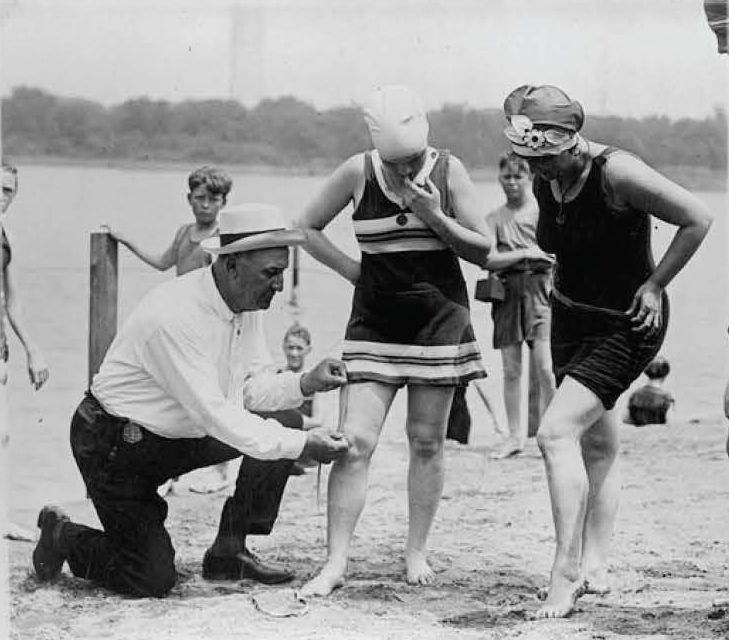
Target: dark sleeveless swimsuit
(603, 257)
(410, 321)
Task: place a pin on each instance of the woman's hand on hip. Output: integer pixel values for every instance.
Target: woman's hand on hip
(646, 311)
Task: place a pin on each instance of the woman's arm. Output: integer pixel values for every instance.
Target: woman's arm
(160, 261)
(468, 234)
(635, 183)
(338, 191)
(37, 367)
(500, 260)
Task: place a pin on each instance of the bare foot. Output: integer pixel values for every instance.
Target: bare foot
(418, 569)
(507, 450)
(328, 579)
(16, 532)
(561, 598)
(596, 582)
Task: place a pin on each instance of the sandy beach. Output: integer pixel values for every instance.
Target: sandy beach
(491, 546)
(493, 538)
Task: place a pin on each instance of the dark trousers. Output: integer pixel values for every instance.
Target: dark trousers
(122, 465)
(459, 419)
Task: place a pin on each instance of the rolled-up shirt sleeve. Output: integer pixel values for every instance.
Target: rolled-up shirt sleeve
(176, 359)
(271, 391)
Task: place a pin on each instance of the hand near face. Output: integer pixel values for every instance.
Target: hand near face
(646, 309)
(423, 200)
(327, 375)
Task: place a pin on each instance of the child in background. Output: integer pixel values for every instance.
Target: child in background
(11, 311)
(650, 403)
(209, 189)
(726, 411)
(296, 346)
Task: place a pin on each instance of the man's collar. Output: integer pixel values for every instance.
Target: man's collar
(214, 298)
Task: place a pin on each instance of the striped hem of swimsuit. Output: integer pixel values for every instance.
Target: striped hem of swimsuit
(400, 364)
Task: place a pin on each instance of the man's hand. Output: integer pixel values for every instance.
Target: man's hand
(324, 445)
(327, 375)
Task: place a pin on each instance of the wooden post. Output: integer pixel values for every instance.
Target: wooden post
(294, 298)
(103, 298)
(4, 463)
(534, 415)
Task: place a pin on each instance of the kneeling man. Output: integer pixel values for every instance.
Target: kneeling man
(188, 382)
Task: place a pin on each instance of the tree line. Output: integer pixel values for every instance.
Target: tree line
(288, 132)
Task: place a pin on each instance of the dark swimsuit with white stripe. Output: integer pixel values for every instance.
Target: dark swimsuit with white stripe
(410, 320)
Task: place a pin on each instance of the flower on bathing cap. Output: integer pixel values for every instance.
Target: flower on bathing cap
(396, 120)
(542, 120)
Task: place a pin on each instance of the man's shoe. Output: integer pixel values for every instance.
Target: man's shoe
(48, 556)
(243, 565)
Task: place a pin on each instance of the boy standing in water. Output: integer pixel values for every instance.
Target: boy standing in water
(209, 189)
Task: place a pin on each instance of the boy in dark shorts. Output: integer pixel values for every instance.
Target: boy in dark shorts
(523, 316)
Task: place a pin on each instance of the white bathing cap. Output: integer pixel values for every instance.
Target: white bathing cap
(396, 120)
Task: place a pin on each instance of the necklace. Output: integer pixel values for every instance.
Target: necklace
(561, 217)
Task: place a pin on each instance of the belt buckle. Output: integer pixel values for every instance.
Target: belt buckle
(132, 433)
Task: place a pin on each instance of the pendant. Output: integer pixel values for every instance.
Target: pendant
(560, 215)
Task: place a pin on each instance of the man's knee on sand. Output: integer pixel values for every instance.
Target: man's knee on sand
(150, 577)
(157, 584)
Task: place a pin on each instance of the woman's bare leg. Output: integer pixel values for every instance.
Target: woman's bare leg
(600, 446)
(367, 406)
(428, 408)
(573, 410)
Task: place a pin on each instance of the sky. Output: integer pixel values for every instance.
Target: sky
(622, 57)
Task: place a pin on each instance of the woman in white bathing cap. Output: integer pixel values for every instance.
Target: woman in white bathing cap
(415, 213)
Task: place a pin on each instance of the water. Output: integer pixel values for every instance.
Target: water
(57, 208)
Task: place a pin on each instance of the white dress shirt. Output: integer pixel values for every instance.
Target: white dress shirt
(185, 366)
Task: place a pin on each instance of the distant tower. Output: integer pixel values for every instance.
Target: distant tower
(246, 82)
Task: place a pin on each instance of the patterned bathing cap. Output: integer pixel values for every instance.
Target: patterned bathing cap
(542, 120)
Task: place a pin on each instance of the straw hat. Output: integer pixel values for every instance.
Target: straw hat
(249, 226)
